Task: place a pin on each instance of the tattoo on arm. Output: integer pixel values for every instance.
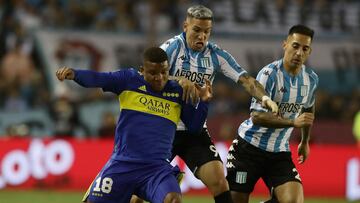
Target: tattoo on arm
(252, 86)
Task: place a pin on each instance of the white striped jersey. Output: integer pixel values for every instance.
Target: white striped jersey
(196, 66)
(291, 93)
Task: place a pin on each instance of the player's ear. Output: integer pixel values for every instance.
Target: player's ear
(284, 44)
(141, 69)
(185, 24)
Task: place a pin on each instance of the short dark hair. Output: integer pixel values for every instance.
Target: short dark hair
(155, 55)
(302, 29)
(200, 12)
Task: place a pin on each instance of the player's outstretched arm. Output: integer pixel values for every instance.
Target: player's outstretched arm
(65, 73)
(255, 89)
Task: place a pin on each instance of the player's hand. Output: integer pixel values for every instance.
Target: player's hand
(65, 73)
(189, 90)
(205, 92)
(303, 152)
(304, 120)
(269, 104)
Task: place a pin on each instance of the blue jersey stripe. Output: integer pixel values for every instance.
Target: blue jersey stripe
(249, 133)
(172, 68)
(265, 138)
(215, 61)
(279, 139)
(229, 60)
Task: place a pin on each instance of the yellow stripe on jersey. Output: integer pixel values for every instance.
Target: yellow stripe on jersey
(136, 101)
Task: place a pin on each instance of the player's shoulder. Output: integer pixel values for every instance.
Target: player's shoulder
(215, 47)
(271, 68)
(311, 73)
(130, 71)
(175, 41)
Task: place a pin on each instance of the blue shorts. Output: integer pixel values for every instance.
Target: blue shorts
(118, 180)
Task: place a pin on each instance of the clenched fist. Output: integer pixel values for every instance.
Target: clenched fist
(65, 73)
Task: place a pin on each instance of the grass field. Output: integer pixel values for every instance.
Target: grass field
(18, 196)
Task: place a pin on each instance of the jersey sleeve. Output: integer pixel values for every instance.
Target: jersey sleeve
(314, 82)
(228, 65)
(109, 81)
(172, 49)
(267, 78)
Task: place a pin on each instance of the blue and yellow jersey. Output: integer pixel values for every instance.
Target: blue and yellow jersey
(148, 119)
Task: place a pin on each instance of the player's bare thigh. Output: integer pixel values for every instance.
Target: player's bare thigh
(212, 175)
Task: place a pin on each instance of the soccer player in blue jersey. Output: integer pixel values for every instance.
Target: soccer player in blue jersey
(193, 57)
(151, 106)
(262, 148)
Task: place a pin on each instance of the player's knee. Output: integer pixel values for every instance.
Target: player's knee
(173, 197)
(217, 185)
(135, 199)
(290, 199)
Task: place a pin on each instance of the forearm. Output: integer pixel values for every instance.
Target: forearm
(252, 86)
(305, 134)
(269, 120)
(305, 131)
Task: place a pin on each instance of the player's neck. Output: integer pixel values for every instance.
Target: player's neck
(293, 71)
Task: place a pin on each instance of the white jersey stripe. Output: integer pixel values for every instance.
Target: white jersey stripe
(199, 65)
(291, 93)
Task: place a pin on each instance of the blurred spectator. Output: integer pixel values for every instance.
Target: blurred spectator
(53, 14)
(8, 26)
(127, 19)
(262, 12)
(19, 76)
(326, 14)
(356, 128)
(305, 10)
(222, 103)
(282, 6)
(20, 130)
(342, 16)
(108, 125)
(66, 119)
(106, 17)
(227, 131)
(337, 105)
(322, 109)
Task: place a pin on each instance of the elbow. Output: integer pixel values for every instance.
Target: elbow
(256, 118)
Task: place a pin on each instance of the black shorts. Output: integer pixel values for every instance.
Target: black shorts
(194, 149)
(246, 164)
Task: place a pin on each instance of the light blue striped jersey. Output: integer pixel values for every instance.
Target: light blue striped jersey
(196, 66)
(291, 93)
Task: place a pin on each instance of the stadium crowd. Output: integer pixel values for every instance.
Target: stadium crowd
(24, 85)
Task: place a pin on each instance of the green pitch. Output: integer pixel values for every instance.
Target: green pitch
(40, 196)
